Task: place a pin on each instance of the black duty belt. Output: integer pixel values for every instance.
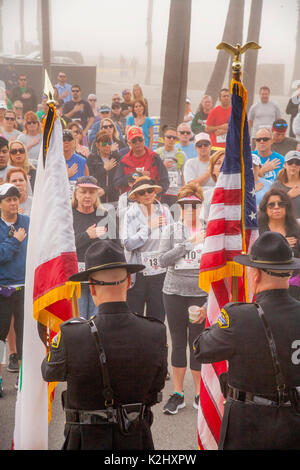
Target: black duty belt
(248, 397)
(133, 411)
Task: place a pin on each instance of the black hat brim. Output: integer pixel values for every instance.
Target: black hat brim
(246, 261)
(84, 275)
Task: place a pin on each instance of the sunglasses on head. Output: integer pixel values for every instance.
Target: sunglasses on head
(202, 144)
(280, 125)
(262, 139)
(142, 192)
(185, 132)
(171, 137)
(107, 126)
(137, 139)
(294, 161)
(272, 205)
(15, 151)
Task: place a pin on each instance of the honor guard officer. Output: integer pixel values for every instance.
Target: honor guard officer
(261, 342)
(115, 364)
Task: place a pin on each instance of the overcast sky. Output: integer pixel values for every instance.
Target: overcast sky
(115, 27)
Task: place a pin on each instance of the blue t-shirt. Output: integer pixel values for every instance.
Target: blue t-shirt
(266, 187)
(146, 126)
(189, 150)
(271, 175)
(81, 162)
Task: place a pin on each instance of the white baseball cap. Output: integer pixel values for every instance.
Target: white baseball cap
(202, 136)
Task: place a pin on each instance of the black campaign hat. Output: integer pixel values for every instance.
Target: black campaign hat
(270, 251)
(101, 255)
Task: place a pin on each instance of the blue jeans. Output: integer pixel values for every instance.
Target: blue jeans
(86, 305)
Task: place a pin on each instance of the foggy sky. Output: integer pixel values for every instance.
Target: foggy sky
(115, 27)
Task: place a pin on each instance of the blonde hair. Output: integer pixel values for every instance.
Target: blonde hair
(74, 202)
(27, 166)
(191, 189)
(116, 134)
(212, 161)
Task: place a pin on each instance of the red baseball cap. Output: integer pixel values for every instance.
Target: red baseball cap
(133, 132)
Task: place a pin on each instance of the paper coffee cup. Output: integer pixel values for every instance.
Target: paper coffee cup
(194, 311)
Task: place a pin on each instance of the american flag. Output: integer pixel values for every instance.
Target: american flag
(231, 229)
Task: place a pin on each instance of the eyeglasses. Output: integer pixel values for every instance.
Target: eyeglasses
(293, 161)
(107, 126)
(15, 151)
(272, 205)
(9, 118)
(262, 139)
(171, 137)
(137, 139)
(203, 144)
(185, 132)
(31, 122)
(142, 192)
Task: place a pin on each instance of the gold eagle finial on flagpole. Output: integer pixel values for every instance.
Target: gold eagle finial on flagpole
(236, 51)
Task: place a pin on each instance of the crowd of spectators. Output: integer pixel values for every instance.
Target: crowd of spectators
(153, 197)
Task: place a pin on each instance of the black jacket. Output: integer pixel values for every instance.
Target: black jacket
(105, 178)
(136, 351)
(239, 338)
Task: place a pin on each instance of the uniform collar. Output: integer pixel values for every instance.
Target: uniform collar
(113, 307)
(273, 293)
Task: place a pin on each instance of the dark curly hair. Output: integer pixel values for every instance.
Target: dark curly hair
(290, 219)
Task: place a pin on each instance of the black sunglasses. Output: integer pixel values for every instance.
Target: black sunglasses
(202, 144)
(15, 151)
(142, 192)
(184, 132)
(9, 118)
(137, 139)
(75, 91)
(107, 126)
(171, 137)
(294, 161)
(262, 139)
(280, 204)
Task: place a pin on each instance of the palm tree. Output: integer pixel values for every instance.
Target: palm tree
(176, 63)
(251, 56)
(233, 32)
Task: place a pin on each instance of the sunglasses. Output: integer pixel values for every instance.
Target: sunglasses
(294, 161)
(31, 122)
(137, 139)
(185, 132)
(103, 144)
(280, 126)
(203, 144)
(75, 91)
(92, 99)
(272, 205)
(9, 118)
(16, 151)
(171, 137)
(107, 126)
(262, 139)
(142, 192)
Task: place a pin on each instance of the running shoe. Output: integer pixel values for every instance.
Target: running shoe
(175, 403)
(196, 402)
(13, 364)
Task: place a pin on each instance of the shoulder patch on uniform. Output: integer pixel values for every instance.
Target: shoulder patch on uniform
(223, 320)
(56, 340)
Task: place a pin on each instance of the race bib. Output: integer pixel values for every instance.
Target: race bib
(150, 260)
(191, 260)
(221, 139)
(173, 178)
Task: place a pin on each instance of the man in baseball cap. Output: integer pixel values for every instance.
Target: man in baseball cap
(196, 169)
(281, 143)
